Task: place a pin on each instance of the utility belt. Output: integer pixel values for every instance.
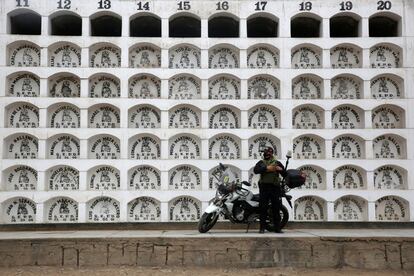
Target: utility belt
(269, 184)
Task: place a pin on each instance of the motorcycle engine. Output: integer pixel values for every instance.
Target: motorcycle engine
(239, 212)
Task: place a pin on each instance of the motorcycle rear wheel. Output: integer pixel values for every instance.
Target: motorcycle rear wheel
(284, 218)
(207, 221)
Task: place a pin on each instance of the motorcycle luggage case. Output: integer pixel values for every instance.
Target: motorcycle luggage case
(294, 178)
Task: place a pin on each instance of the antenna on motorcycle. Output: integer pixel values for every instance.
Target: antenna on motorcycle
(289, 154)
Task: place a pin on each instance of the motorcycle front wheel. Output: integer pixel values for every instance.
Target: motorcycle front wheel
(284, 218)
(207, 221)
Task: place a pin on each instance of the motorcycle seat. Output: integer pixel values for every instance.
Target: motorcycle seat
(256, 197)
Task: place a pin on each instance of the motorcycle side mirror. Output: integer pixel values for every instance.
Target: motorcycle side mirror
(289, 154)
(246, 183)
(222, 167)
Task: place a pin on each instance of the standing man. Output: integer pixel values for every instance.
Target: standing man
(269, 187)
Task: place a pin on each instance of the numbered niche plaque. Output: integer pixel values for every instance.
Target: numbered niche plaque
(213, 182)
(308, 147)
(349, 177)
(184, 87)
(23, 85)
(184, 208)
(224, 117)
(104, 147)
(64, 116)
(22, 115)
(184, 146)
(350, 208)
(145, 56)
(306, 57)
(184, 116)
(144, 147)
(259, 143)
(387, 87)
(105, 56)
(347, 147)
(222, 57)
(185, 177)
(389, 177)
(307, 117)
(346, 56)
(184, 57)
(64, 86)
(307, 87)
(388, 116)
(64, 55)
(22, 146)
(310, 208)
(145, 209)
(24, 54)
(391, 208)
(104, 116)
(224, 146)
(144, 87)
(103, 209)
(104, 86)
(346, 87)
(61, 209)
(224, 87)
(144, 117)
(315, 178)
(104, 178)
(263, 117)
(347, 117)
(144, 178)
(263, 87)
(19, 210)
(389, 147)
(20, 178)
(63, 147)
(262, 57)
(385, 56)
(63, 178)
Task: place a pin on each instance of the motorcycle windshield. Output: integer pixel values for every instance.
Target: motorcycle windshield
(228, 177)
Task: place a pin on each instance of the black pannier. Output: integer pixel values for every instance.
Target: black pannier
(295, 178)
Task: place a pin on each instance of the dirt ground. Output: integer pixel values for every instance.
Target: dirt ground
(157, 271)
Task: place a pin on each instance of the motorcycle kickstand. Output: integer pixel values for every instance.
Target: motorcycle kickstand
(248, 226)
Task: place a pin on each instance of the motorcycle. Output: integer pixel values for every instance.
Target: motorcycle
(237, 203)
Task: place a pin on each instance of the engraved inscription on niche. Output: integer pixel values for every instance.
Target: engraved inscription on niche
(314, 178)
(388, 177)
(213, 182)
(306, 88)
(184, 147)
(184, 209)
(144, 117)
(64, 147)
(23, 147)
(345, 117)
(65, 117)
(65, 87)
(65, 56)
(307, 147)
(262, 87)
(24, 116)
(104, 178)
(145, 57)
(224, 88)
(184, 88)
(145, 178)
(306, 58)
(308, 208)
(25, 56)
(21, 178)
(104, 117)
(104, 209)
(63, 179)
(262, 57)
(387, 146)
(349, 209)
(184, 57)
(390, 208)
(185, 178)
(258, 144)
(105, 148)
(63, 210)
(348, 177)
(383, 56)
(345, 88)
(106, 57)
(223, 58)
(263, 117)
(224, 118)
(24, 85)
(104, 87)
(145, 87)
(306, 118)
(145, 147)
(20, 210)
(385, 88)
(386, 117)
(224, 147)
(346, 147)
(184, 117)
(345, 57)
(254, 179)
(144, 209)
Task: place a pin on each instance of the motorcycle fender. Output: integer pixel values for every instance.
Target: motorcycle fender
(212, 208)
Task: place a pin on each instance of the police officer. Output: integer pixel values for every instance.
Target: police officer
(269, 187)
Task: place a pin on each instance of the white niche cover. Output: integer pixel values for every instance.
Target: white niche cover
(389, 177)
(223, 57)
(184, 57)
(349, 177)
(387, 87)
(310, 208)
(20, 178)
(22, 146)
(104, 116)
(391, 208)
(263, 117)
(104, 178)
(184, 177)
(306, 57)
(65, 55)
(184, 116)
(347, 147)
(384, 56)
(61, 210)
(184, 208)
(308, 147)
(307, 117)
(224, 87)
(262, 57)
(184, 146)
(350, 208)
(347, 117)
(144, 209)
(259, 143)
(22, 115)
(63, 178)
(104, 147)
(144, 116)
(144, 87)
(389, 147)
(104, 86)
(346, 56)
(64, 116)
(63, 147)
(307, 87)
(388, 116)
(64, 86)
(23, 85)
(144, 147)
(263, 87)
(144, 178)
(105, 56)
(224, 146)
(103, 209)
(184, 87)
(19, 210)
(346, 87)
(224, 117)
(145, 56)
(315, 178)
(24, 54)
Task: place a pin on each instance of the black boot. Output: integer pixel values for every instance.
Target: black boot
(262, 230)
(279, 231)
